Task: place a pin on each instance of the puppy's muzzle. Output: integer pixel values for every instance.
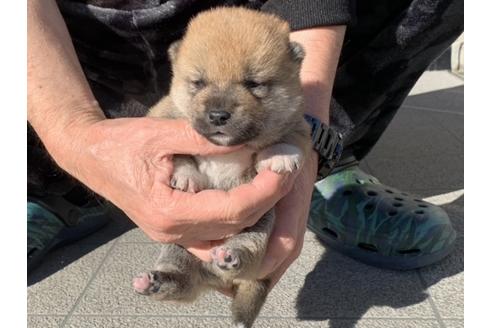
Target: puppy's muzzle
(218, 117)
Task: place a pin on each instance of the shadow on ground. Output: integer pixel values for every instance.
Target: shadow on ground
(338, 287)
(64, 256)
(352, 288)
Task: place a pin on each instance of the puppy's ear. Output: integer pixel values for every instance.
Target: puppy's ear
(296, 51)
(172, 51)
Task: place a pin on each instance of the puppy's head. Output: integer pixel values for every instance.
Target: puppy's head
(236, 76)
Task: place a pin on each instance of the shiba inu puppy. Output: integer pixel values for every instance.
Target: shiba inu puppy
(236, 80)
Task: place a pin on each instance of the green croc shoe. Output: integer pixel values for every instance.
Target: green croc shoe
(54, 221)
(360, 217)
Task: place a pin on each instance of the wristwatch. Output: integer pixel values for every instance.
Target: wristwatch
(327, 143)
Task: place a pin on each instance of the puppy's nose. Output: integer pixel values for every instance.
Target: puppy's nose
(217, 117)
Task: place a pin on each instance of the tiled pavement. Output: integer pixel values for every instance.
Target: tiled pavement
(88, 284)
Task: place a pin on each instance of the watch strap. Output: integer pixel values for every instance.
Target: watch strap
(327, 143)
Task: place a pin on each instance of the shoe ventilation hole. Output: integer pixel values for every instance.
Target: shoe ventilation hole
(368, 247)
(399, 199)
(372, 181)
(347, 193)
(397, 204)
(423, 206)
(420, 212)
(372, 193)
(409, 251)
(359, 181)
(389, 191)
(392, 213)
(404, 194)
(330, 233)
(369, 207)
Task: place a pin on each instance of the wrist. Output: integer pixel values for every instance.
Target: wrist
(66, 138)
(327, 143)
(317, 99)
(322, 46)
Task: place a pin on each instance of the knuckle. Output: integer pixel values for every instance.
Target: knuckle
(289, 243)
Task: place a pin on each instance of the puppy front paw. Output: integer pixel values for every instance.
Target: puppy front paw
(190, 182)
(280, 158)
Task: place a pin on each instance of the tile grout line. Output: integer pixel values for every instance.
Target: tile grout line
(454, 92)
(429, 109)
(91, 279)
(438, 122)
(431, 300)
(260, 317)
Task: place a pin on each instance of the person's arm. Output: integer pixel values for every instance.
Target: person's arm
(322, 46)
(60, 102)
(128, 161)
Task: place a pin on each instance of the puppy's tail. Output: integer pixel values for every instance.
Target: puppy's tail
(247, 302)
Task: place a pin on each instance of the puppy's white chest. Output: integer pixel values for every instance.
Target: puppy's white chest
(226, 171)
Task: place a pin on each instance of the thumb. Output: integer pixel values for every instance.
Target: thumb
(181, 138)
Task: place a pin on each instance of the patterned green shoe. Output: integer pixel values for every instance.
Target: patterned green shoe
(358, 216)
(53, 221)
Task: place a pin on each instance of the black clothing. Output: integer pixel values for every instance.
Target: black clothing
(388, 45)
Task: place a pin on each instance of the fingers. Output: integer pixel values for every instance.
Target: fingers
(284, 238)
(276, 275)
(232, 206)
(287, 237)
(181, 138)
(201, 249)
(277, 272)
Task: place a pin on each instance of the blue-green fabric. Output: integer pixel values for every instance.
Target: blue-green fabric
(42, 227)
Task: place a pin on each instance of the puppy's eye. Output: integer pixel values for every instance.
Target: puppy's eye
(198, 84)
(250, 84)
(258, 89)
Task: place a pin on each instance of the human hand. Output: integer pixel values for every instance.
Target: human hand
(129, 162)
(291, 214)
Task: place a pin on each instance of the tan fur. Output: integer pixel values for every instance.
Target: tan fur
(239, 61)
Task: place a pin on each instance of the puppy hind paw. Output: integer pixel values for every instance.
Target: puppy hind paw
(225, 258)
(143, 283)
(155, 283)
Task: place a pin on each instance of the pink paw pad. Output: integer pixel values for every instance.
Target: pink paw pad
(141, 283)
(225, 258)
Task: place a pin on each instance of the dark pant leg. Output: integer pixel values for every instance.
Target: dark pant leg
(384, 54)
